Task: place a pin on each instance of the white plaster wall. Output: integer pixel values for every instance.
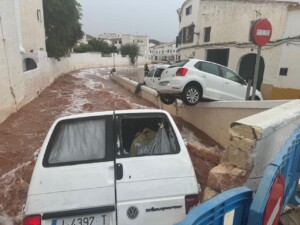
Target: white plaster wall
(290, 53)
(270, 55)
(187, 20)
(275, 126)
(10, 61)
(49, 69)
(230, 20)
(33, 32)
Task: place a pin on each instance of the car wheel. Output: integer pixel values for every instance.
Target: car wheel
(255, 99)
(167, 99)
(191, 95)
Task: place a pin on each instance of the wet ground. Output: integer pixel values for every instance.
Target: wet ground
(88, 90)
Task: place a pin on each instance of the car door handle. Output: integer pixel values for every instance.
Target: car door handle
(158, 79)
(119, 171)
(204, 76)
(226, 82)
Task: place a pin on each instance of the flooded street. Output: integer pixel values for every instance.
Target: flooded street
(22, 134)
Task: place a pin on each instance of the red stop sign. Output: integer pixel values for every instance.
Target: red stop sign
(262, 32)
(275, 201)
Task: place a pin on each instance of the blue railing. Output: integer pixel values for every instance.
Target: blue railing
(252, 211)
(286, 163)
(214, 210)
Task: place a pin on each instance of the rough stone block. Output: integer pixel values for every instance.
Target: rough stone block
(250, 132)
(238, 158)
(243, 144)
(224, 177)
(209, 193)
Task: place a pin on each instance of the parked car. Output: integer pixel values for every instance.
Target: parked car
(117, 167)
(152, 78)
(193, 80)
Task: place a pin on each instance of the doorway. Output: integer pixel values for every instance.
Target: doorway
(219, 56)
(247, 67)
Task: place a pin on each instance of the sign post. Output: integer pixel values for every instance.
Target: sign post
(257, 61)
(261, 35)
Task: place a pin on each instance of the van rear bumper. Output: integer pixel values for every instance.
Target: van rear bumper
(77, 212)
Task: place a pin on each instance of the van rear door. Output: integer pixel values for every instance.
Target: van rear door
(73, 182)
(154, 170)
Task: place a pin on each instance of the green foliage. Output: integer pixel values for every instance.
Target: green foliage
(62, 26)
(102, 46)
(132, 50)
(83, 48)
(96, 46)
(156, 42)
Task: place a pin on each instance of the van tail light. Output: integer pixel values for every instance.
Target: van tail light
(190, 202)
(181, 72)
(32, 220)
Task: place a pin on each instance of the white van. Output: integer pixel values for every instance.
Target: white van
(116, 167)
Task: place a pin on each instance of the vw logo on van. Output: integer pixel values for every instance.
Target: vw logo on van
(132, 212)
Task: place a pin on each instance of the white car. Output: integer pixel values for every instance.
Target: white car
(152, 78)
(193, 80)
(127, 167)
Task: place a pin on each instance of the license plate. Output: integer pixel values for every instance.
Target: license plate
(96, 219)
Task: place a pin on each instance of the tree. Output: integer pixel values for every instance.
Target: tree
(132, 50)
(62, 26)
(156, 42)
(83, 48)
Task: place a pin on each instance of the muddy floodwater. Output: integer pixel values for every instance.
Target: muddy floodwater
(22, 134)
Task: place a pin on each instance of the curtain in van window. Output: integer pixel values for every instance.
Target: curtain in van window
(159, 145)
(79, 141)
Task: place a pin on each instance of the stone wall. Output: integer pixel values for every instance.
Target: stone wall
(254, 142)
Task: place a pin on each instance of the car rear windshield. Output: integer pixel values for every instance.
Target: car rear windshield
(179, 64)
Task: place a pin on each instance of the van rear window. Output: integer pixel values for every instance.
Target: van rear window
(77, 141)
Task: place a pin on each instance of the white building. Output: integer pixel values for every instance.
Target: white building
(85, 39)
(22, 44)
(219, 30)
(121, 39)
(163, 52)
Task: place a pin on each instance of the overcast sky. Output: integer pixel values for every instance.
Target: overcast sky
(156, 18)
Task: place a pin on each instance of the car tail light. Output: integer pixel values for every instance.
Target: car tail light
(32, 220)
(181, 72)
(190, 202)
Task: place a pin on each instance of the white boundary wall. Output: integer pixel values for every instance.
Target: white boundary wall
(31, 83)
(252, 131)
(206, 116)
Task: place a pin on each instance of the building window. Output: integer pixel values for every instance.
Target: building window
(188, 10)
(283, 71)
(39, 15)
(251, 30)
(188, 34)
(207, 34)
(29, 64)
